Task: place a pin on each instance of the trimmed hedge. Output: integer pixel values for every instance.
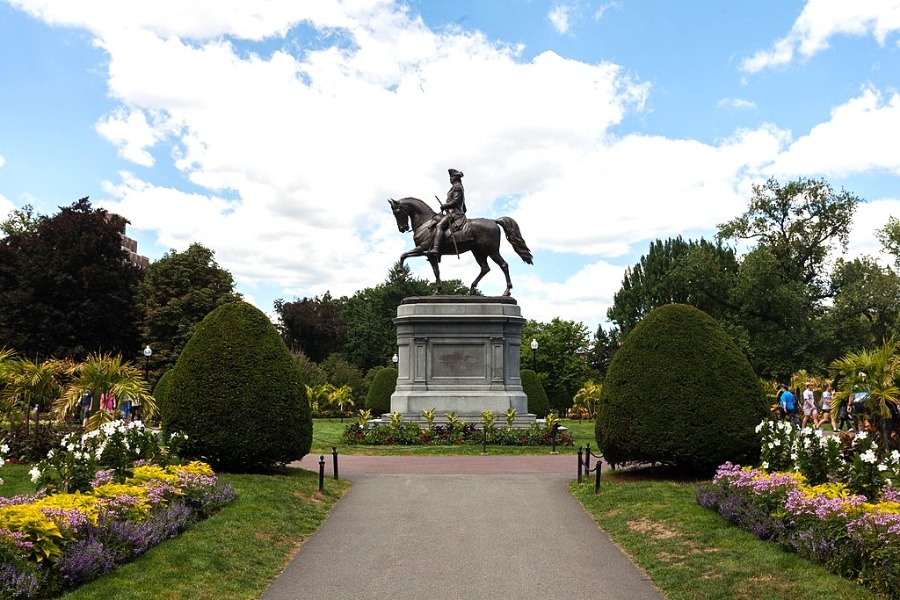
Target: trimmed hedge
(680, 392)
(161, 391)
(237, 394)
(538, 403)
(383, 385)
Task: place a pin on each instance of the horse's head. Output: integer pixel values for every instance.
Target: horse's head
(401, 214)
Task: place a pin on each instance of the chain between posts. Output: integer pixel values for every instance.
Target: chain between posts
(584, 461)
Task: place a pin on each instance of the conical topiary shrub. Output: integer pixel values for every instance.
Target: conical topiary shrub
(378, 400)
(680, 392)
(538, 403)
(237, 394)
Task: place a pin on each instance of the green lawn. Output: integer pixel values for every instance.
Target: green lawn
(327, 434)
(691, 553)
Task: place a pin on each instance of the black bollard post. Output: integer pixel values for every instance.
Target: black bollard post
(597, 481)
(553, 433)
(587, 459)
(579, 464)
(484, 441)
(334, 460)
(321, 472)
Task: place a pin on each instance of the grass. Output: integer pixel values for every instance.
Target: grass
(690, 552)
(234, 554)
(327, 434)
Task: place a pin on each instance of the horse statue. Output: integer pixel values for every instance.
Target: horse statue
(481, 237)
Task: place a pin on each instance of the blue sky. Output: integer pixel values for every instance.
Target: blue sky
(273, 132)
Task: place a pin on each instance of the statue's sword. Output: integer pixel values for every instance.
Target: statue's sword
(449, 228)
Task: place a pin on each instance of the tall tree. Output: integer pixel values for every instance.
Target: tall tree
(866, 305)
(784, 279)
(313, 326)
(20, 221)
(699, 273)
(561, 360)
(67, 287)
(177, 292)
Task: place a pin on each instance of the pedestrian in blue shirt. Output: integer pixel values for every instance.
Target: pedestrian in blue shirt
(789, 405)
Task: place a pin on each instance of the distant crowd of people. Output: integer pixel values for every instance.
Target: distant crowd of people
(810, 411)
(129, 410)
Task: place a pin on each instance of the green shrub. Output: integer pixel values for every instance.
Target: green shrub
(237, 394)
(538, 403)
(383, 385)
(679, 392)
(161, 391)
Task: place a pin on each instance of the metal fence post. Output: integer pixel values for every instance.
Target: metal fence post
(321, 472)
(334, 460)
(579, 464)
(587, 459)
(597, 481)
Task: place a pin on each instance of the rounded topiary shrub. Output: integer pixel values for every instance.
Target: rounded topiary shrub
(237, 394)
(680, 392)
(161, 391)
(383, 385)
(538, 403)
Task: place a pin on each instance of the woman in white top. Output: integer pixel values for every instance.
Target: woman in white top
(827, 414)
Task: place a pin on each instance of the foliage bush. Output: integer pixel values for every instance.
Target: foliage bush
(237, 394)
(32, 444)
(458, 432)
(383, 385)
(538, 403)
(162, 389)
(679, 392)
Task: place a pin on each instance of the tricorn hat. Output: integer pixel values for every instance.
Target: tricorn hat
(455, 173)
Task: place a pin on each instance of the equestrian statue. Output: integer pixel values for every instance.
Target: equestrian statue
(450, 232)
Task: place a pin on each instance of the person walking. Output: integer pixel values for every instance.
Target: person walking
(810, 412)
(789, 405)
(826, 414)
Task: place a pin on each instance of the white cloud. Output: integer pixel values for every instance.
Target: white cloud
(560, 16)
(821, 20)
(859, 137)
(130, 131)
(736, 103)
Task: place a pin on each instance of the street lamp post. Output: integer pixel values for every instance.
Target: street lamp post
(395, 359)
(148, 352)
(534, 347)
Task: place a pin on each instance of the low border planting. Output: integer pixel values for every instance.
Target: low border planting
(454, 432)
(99, 505)
(830, 499)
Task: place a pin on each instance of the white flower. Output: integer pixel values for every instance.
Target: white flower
(759, 427)
(765, 465)
(4, 448)
(806, 431)
(882, 467)
(869, 457)
(771, 445)
(1, 481)
(794, 457)
(2, 462)
(35, 474)
(50, 455)
(895, 455)
(777, 442)
(862, 435)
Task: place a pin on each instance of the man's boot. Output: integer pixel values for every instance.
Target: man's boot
(436, 245)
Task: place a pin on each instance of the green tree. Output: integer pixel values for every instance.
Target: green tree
(538, 403)
(177, 292)
(313, 326)
(26, 385)
(866, 305)
(698, 273)
(20, 221)
(67, 288)
(561, 359)
(378, 400)
(341, 373)
(237, 394)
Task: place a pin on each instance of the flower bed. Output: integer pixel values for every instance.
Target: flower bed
(412, 434)
(828, 498)
(86, 519)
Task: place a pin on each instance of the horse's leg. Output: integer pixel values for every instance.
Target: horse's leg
(481, 259)
(495, 256)
(410, 253)
(438, 286)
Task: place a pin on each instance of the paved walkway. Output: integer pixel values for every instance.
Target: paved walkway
(459, 527)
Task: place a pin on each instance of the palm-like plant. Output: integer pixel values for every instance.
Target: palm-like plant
(29, 384)
(105, 374)
(876, 372)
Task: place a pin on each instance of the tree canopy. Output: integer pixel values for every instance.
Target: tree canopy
(67, 287)
(177, 292)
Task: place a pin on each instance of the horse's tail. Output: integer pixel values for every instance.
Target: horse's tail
(514, 237)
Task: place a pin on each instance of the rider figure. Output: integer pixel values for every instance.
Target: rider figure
(453, 210)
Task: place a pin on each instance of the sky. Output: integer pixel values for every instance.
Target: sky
(275, 131)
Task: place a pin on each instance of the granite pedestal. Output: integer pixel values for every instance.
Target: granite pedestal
(459, 354)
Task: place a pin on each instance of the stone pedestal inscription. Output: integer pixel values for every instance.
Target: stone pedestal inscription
(459, 354)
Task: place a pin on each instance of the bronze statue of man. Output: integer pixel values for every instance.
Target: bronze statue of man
(453, 211)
